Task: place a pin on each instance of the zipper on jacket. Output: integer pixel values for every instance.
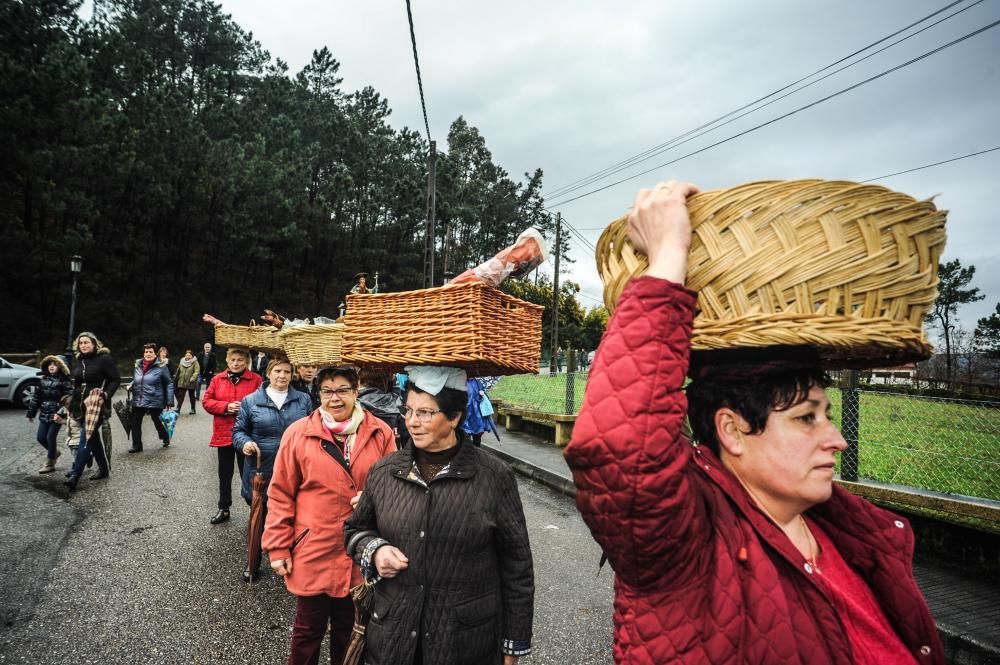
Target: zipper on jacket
(298, 539)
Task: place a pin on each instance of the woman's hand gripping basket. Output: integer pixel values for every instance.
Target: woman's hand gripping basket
(470, 325)
(258, 338)
(846, 268)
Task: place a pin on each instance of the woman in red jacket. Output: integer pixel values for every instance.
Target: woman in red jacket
(739, 549)
(322, 464)
(222, 400)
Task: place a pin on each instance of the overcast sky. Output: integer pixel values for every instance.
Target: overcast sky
(574, 87)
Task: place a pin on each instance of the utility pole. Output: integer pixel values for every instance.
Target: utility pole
(429, 233)
(555, 300)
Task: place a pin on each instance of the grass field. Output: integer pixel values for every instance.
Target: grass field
(942, 445)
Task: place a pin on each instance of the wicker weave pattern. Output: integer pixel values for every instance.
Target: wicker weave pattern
(849, 268)
(313, 344)
(258, 338)
(469, 325)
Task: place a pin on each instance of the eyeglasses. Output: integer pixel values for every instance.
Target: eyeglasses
(328, 393)
(423, 415)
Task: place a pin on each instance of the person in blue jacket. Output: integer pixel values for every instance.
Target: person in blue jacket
(152, 391)
(263, 417)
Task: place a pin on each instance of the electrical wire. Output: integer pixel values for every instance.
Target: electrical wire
(416, 64)
(651, 152)
(783, 116)
(927, 166)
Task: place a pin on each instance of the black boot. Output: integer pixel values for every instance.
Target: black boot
(220, 517)
(101, 474)
(133, 449)
(72, 482)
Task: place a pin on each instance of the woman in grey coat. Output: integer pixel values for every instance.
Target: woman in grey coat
(152, 391)
(440, 525)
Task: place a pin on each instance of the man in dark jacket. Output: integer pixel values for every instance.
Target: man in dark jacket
(206, 364)
(258, 363)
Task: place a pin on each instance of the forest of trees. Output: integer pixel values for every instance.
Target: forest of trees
(193, 172)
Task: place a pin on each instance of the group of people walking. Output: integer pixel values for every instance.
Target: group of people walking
(729, 541)
(314, 436)
(78, 395)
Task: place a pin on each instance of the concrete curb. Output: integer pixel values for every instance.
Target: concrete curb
(548, 478)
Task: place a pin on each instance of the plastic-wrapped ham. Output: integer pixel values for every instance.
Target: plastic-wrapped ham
(527, 253)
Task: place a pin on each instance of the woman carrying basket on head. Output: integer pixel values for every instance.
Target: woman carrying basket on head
(740, 549)
(441, 523)
(262, 420)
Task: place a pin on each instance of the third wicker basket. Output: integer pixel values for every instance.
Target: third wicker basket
(258, 338)
(319, 344)
(847, 268)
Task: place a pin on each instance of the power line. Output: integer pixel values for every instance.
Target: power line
(783, 116)
(580, 238)
(416, 64)
(642, 156)
(927, 166)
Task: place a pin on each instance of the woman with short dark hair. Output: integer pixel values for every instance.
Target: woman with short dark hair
(440, 524)
(152, 391)
(322, 465)
(739, 549)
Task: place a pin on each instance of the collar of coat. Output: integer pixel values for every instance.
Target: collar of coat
(259, 397)
(462, 466)
(367, 430)
(862, 532)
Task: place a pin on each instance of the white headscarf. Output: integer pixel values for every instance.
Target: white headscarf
(432, 379)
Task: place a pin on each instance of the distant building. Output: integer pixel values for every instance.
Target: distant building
(894, 376)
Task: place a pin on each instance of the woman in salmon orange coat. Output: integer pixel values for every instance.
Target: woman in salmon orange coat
(322, 465)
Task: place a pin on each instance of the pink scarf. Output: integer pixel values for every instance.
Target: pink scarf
(343, 432)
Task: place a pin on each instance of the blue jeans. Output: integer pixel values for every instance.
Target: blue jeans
(46, 436)
(92, 446)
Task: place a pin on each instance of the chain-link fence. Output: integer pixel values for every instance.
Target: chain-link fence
(931, 443)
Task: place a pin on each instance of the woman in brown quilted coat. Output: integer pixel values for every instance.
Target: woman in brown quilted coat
(440, 525)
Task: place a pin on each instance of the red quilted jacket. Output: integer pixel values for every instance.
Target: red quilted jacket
(702, 576)
(220, 393)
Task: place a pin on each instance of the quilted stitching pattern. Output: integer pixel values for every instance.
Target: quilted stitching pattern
(702, 576)
(469, 584)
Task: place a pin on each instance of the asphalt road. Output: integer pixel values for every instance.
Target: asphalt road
(129, 570)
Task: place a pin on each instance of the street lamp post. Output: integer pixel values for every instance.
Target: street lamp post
(75, 267)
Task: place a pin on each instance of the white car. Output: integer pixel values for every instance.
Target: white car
(17, 383)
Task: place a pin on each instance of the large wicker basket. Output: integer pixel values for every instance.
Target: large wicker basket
(849, 269)
(313, 344)
(469, 325)
(258, 338)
